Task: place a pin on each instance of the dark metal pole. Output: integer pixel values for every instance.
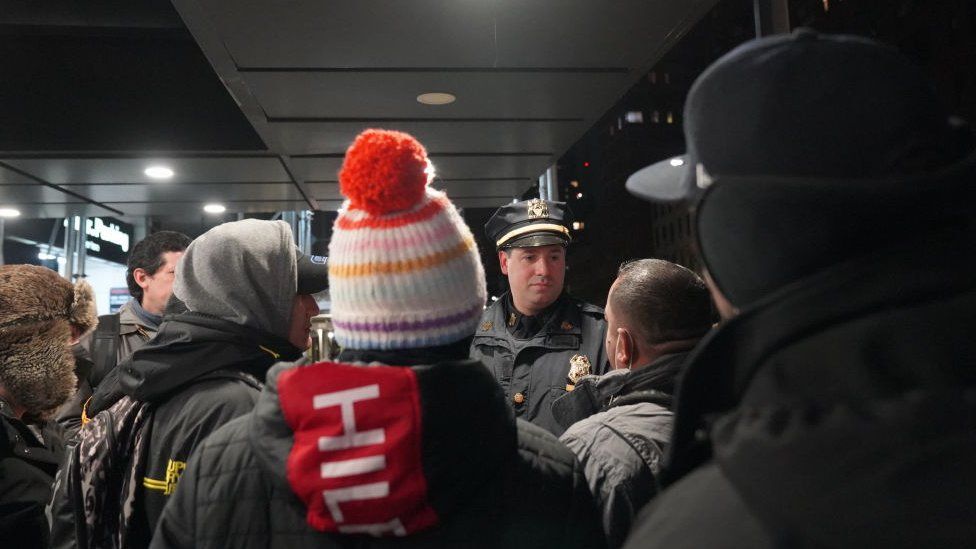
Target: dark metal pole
(70, 240)
(82, 248)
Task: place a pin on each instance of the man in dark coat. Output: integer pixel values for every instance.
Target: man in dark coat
(404, 442)
(619, 424)
(40, 315)
(247, 291)
(537, 340)
(835, 407)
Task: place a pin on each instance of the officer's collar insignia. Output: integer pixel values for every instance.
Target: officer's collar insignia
(538, 209)
(566, 326)
(579, 366)
(512, 319)
(486, 326)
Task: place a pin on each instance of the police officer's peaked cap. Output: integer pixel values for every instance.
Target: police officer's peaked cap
(530, 223)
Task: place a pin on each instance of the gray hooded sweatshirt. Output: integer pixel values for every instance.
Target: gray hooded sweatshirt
(244, 272)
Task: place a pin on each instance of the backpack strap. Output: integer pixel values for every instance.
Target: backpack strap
(105, 348)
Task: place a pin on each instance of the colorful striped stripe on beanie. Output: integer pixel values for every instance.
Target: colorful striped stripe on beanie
(404, 270)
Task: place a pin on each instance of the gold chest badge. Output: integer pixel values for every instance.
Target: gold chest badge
(579, 366)
(538, 208)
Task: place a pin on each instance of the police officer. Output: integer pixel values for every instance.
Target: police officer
(537, 340)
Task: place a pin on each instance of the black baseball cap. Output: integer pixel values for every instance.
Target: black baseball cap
(530, 223)
(806, 105)
(313, 272)
(804, 150)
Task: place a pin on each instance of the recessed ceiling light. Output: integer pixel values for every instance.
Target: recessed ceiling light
(214, 208)
(436, 98)
(677, 161)
(9, 212)
(158, 172)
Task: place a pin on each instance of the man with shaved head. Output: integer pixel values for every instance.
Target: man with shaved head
(656, 312)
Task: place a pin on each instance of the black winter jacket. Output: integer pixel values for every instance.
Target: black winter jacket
(425, 456)
(533, 372)
(187, 409)
(28, 463)
(838, 412)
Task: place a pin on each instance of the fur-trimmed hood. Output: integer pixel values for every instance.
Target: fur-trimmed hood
(38, 308)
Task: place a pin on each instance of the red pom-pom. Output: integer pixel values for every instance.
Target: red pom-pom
(384, 172)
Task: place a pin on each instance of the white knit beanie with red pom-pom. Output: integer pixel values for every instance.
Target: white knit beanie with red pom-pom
(404, 270)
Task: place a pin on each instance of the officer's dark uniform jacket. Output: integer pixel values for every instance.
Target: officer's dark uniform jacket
(191, 372)
(29, 458)
(839, 411)
(473, 476)
(533, 371)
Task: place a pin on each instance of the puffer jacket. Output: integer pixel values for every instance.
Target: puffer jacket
(534, 371)
(621, 445)
(341, 455)
(837, 412)
(186, 409)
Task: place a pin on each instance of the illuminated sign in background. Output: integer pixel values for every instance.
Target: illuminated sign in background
(107, 238)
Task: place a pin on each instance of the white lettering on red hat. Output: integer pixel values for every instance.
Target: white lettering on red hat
(352, 438)
(357, 436)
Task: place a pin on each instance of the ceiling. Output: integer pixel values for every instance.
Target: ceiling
(252, 103)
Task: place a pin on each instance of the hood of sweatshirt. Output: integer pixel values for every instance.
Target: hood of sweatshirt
(382, 450)
(190, 345)
(244, 272)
